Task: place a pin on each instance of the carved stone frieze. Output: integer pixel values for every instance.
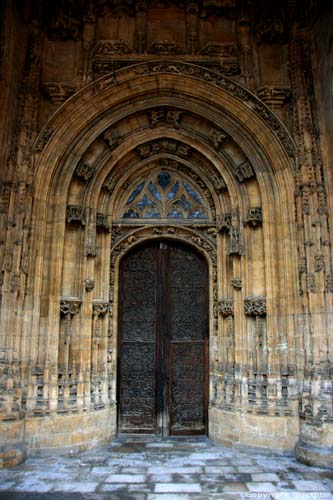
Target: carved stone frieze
(227, 50)
(75, 213)
(165, 48)
(254, 216)
(226, 307)
(44, 138)
(161, 115)
(58, 92)
(164, 145)
(111, 47)
(255, 306)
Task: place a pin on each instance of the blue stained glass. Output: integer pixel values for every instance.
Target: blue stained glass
(197, 215)
(192, 193)
(171, 194)
(131, 215)
(175, 214)
(136, 192)
(183, 202)
(152, 215)
(154, 192)
(144, 202)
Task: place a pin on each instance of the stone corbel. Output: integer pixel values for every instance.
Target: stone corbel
(75, 214)
(255, 306)
(58, 92)
(84, 170)
(226, 307)
(254, 216)
(274, 96)
(102, 222)
(243, 171)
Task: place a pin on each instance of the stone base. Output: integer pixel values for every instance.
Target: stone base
(315, 445)
(70, 433)
(314, 455)
(12, 446)
(263, 432)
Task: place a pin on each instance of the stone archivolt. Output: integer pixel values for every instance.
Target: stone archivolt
(212, 132)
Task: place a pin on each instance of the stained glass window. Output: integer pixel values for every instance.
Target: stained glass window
(165, 195)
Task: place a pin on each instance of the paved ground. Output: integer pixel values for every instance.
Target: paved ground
(149, 468)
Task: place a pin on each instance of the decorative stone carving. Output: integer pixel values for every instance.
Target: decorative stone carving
(111, 138)
(100, 307)
(161, 115)
(89, 284)
(217, 138)
(255, 306)
(58, 92)
(227, 50)
(75, 213)
(310, 283)
(224, 222)
(274, 96)
(164, 145)
(111, 47)
(84, 170)
(235, 244)
(165, 47)
(254, 216)
(14, 282)
(69, 307)
(43, 139)
(226, 307)
(243, 171)
(329, 283)
(319, 263)
(237, 283)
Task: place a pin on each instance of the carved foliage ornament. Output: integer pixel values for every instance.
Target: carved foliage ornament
(226, 307)
(255, 306)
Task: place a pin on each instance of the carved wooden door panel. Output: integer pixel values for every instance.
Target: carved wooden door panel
(162, 355)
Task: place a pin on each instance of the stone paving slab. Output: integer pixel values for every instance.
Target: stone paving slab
(151, 468)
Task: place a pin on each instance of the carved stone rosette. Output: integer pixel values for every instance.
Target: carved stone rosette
(255, 306)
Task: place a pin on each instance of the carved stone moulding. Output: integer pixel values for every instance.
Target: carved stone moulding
(226, 307)
(165, 146)
(274, 96)
(254, 216)
(58, 92)
(70, 305)
(75, 214)
(255, 306)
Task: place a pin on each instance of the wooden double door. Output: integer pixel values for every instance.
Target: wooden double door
(163, 340)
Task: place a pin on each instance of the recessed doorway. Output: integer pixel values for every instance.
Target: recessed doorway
(163, 340)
